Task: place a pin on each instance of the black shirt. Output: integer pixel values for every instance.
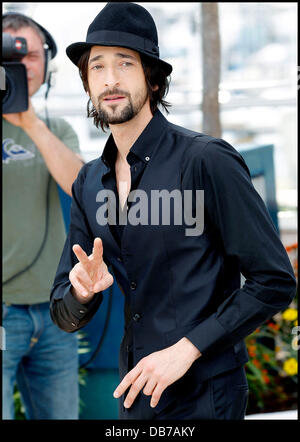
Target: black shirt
(176, 284)
(136, 159)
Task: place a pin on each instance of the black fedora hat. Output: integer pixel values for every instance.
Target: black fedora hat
(121, 24)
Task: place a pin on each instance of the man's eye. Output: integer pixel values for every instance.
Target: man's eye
(97, 67)
(33, 57)
(126, 63)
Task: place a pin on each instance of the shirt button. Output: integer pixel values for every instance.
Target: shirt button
(119, 259)
(136, 317)
(81, 311)
(74, 325)
(133, 285)
(147, 158)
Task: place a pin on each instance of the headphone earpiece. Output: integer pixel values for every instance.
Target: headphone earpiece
(50, 52)
(47, 73)
(51, 69)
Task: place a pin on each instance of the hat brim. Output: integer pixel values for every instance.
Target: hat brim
(75, 51)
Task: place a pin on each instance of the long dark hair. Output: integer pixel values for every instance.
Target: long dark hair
(154, 75)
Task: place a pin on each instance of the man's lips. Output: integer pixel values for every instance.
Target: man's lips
(113, 98)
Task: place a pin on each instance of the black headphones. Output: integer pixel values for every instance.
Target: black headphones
(49, 47)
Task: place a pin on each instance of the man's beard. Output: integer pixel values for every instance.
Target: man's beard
(116, 116)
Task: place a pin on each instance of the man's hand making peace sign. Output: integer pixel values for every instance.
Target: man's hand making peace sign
(90, 274)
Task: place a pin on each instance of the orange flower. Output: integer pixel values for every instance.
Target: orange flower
(266, 357)
(256, 363)
(274, 326)
(266, 379)
(252, 350)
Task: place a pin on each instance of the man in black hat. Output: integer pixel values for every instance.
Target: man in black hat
(185, 313)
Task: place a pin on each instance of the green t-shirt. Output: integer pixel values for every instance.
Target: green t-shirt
(25, 179)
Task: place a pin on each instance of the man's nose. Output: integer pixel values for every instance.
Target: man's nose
(111, 78)
(26, 62)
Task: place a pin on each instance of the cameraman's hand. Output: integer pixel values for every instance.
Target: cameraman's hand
(26, 120)
(90, 274)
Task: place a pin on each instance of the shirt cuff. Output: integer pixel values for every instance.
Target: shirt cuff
(78, 310)
(208, 336)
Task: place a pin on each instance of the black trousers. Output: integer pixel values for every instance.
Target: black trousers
(221, 397)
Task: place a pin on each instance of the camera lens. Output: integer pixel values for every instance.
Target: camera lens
(13, 73)
(15, 97)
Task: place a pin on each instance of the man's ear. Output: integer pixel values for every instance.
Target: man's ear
(155, 88)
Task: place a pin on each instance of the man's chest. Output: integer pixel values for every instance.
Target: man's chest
(123, 181)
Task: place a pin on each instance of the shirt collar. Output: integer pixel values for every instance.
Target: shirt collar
(143, 147)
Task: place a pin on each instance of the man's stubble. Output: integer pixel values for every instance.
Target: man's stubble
(116, 116)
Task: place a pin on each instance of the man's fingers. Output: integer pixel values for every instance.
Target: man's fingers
(79, 273)
(127, 380)
(156, 395)
(98, 250)
(149, 387)
(134, 390)
(79, 287)
(85, 280)
(81, 255)
(105, 282)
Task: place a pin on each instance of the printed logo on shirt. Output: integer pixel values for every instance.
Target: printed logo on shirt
(12, 151)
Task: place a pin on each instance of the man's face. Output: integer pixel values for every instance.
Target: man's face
(117, 84)
(35, 58)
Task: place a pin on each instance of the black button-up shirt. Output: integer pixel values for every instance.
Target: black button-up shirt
(184, 285)
(137, 161)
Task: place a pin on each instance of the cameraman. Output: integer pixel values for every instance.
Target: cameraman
(42, 359)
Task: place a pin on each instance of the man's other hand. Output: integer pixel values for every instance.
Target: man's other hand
(90, 275)
(157, 371)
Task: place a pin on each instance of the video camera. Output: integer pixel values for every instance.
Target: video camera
(15, 98)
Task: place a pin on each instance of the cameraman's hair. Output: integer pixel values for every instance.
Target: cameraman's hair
(16, 22)
(154, 75)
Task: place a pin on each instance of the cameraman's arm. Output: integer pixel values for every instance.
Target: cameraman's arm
(62, 163)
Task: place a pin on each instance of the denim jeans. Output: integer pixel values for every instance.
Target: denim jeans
(43, 360)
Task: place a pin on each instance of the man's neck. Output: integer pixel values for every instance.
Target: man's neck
(126, 134)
